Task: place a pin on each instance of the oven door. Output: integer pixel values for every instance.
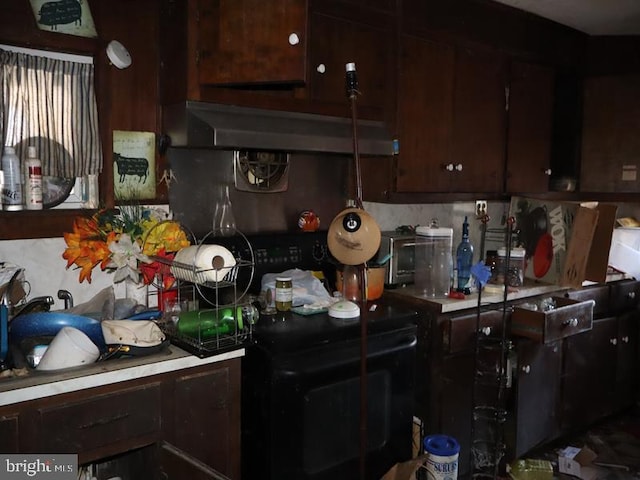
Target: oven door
(306, 422)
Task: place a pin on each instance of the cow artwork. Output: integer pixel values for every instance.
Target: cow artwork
(131, 166)
(71, 17)
(61, 12)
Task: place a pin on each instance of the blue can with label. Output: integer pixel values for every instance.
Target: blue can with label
(442, 457)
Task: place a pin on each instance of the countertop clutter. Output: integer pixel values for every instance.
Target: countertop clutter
(445, 305)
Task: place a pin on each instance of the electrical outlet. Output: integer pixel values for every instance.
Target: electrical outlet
(481, 208)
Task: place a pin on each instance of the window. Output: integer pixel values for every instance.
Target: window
(47, 100)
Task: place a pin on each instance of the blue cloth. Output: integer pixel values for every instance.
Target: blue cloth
(481, 274)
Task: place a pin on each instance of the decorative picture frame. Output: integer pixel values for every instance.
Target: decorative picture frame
(134, 165)
(72, 17)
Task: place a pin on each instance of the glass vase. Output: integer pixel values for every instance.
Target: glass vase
(224, 222)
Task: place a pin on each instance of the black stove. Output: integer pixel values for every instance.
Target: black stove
(302, 377)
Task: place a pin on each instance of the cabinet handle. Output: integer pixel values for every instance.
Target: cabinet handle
(547, 172)
(613, 341)
(526, 368)
(449, 167)
(321, 68)
(294, 39)
(573, 322)
(486, 331)
(625, 339)
(631, 295)
(459, 167)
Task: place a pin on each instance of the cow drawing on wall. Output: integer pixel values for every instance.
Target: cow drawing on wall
(61, 12)
(131, 166)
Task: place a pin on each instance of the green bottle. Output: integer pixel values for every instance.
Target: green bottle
(205, 324)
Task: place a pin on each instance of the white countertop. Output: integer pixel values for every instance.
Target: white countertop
(43, 384)
(530, 289)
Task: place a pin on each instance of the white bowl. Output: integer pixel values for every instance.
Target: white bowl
(69, 348)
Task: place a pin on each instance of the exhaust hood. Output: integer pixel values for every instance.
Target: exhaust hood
(212, 125)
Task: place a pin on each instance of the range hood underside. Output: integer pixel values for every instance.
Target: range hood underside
(209, 125)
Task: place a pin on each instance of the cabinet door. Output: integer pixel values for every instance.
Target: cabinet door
(334, 42)
(9, 433)
(243, 42)
(589, 374)
(479, 121)
(627, 360)
(206, 422)
(531, 90)
(610, 140)
(537, 389)
(425, 99)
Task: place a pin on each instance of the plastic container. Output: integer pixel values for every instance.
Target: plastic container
(514, 270)
(32, 180)
(433, 261)
(442, 453)
(12, 187)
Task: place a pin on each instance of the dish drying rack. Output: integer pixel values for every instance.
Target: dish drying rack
(195, 283)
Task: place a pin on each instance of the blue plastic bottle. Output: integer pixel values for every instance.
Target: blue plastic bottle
(464, 258)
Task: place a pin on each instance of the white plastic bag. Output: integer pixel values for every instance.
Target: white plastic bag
(307, 289)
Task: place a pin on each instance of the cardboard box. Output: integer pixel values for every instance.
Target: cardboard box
(565, 243)
(578, 462)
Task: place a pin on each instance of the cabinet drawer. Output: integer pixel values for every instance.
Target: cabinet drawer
(100, 421)
(567, 318)
(600, 295)
(624, 295)
(460, 332)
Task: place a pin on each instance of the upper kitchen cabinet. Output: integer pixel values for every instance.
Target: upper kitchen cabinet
(451, 118)
(340, 34)
(242, 42)
(530, 107)
(610, 141)
(425, 107)
(283, 54)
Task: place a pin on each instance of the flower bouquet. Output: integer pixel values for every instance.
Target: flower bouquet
(128, 242)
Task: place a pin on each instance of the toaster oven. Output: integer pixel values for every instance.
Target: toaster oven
(401, 265)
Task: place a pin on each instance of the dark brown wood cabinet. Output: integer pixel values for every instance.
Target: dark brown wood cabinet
(186, 417)
(286, 54)
(479, 120)
(242, 42)
(530, 106)
(425, 108)
(610, 142)
(367, 39)
(537, 389)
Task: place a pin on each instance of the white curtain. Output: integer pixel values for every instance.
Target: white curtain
(50, 104)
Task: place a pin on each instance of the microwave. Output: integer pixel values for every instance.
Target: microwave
(401, 265)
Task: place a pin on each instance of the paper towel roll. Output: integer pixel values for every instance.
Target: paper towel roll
(212, 262)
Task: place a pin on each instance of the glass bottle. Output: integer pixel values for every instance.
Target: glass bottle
(204, 324)
(224, 222)
(464, 258)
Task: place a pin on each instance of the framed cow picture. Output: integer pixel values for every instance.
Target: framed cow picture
(72, 17)
(134, 165)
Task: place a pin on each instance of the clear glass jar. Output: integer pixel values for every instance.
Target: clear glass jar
(284, 294)
(514, 270)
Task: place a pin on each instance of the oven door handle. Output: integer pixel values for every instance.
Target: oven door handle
(332, 357)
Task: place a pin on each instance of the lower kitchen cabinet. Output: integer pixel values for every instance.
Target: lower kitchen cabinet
(556, 387)
(536, 388)
(9, 433)
(188, 417)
